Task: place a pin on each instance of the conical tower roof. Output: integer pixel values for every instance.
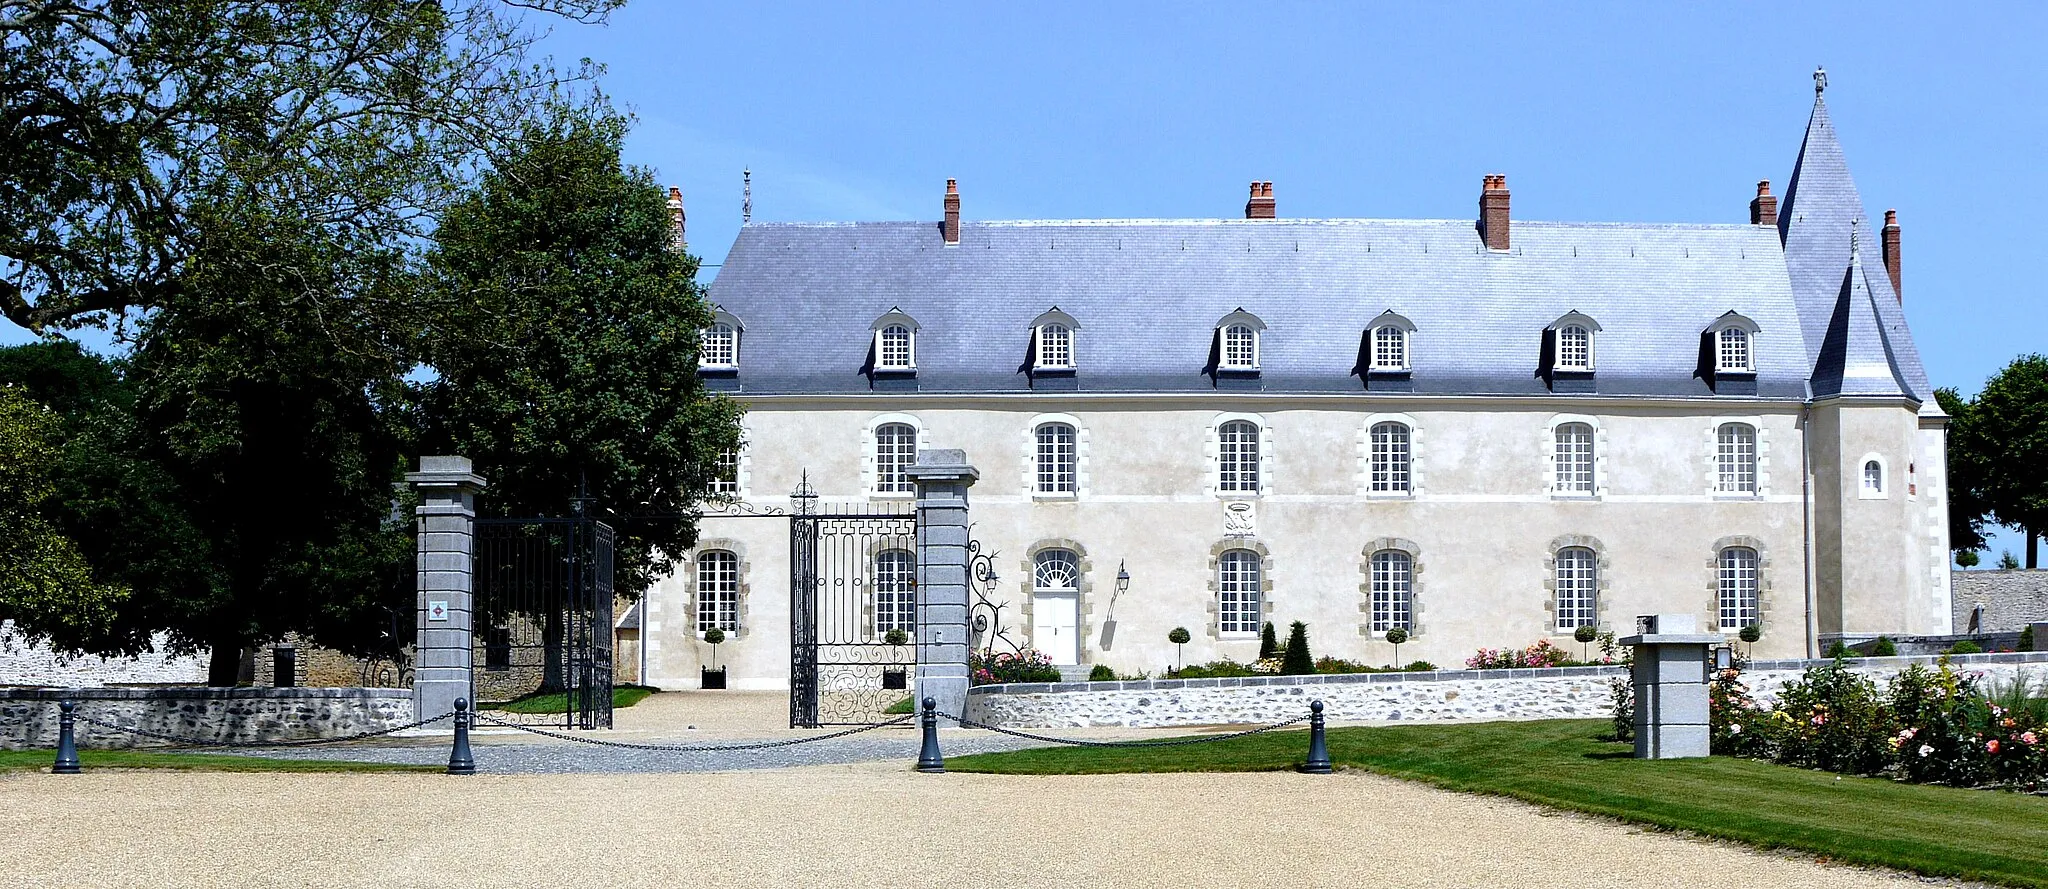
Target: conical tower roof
(1856, 356)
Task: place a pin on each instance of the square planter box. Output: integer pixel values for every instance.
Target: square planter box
(714, 679)
(895, 680)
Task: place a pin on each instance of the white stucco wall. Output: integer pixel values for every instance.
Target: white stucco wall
(35, 665)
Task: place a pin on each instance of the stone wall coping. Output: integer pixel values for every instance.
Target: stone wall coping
(1026, 688)
(199, 694)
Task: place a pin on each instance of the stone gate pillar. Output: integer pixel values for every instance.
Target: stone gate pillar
(942, 477)
(446, 566)
(1669, 674)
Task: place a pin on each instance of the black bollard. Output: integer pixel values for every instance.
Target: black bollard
(459, 760)
(1318, 747)
(67, 742)
(929, 760)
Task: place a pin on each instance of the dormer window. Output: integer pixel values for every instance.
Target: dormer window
(1732, 351)
(718, 346)
(895, 342)
(1570, 352)
(1728, 355)
(1052, 341)
(1238, 342)
(1387, 343)
(1574, 348)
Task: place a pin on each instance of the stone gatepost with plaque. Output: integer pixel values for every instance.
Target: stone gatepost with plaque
(1670, 680)
(446, 562)
(942, 477)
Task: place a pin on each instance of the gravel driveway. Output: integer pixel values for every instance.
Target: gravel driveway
(869, 825)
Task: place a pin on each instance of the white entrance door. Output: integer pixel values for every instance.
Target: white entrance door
(1054, 627)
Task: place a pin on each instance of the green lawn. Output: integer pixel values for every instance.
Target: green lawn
(558, 702)
(1991, 836)
(20, 760)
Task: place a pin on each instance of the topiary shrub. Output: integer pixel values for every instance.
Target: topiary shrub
(896, 636)
(714, 636)
(1298, 662)
(1965, 647)
(1397, 636)
(1269, 642)
(1420, 667)
(2026, 642)
(1178, 637)
(1884, 647)
(1838, 651)
(1584, 635)
(1101, 673)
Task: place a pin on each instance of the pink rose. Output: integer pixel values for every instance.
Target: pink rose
(1991, 747)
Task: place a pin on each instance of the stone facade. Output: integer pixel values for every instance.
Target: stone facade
(322, 667)
(2000, 601)
(29, 718)
(35, 665)
(1447, 695)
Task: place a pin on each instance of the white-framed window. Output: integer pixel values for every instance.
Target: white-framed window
(1574, 347)
(1237, 457)
(895, 450)
(1389, 459)
(1737, 581)
(1393, 590)
(1735, 459)
(1873, 485)
(895, 348)
(1389, 348)
(1578, 585)
(719, 346)
(1237, 591)
(895, 591)
(1572, 459)
(718, 591)
(725, 473)
(1055, 346)
(1732, 352)
(1240, 347)
(1058, 459)
(1056, 571)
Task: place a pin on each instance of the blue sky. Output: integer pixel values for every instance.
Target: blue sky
(1606, 112)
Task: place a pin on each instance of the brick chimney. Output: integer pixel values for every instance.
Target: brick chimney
(1891, 252)
(1493, 211)
(1261, 205)
(675, 220)
(951, 228)
(1764, 209)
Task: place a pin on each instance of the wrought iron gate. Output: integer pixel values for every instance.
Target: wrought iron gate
(854, 613)
(542, 619)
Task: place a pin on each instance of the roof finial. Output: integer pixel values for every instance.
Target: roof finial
(1820, 81)
(746, 196)
(1855, 251)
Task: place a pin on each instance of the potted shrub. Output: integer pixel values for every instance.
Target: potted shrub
(1178, 637)
(1749, 635)
(896, 678)
(1397, 636)
(714, 675)
(1585, 634)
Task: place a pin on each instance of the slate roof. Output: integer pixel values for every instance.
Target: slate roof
(1147, 295)
(1851, 315)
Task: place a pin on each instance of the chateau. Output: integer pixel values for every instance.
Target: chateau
(1486, 430)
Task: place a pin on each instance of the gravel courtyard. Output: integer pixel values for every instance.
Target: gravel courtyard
(863, 825)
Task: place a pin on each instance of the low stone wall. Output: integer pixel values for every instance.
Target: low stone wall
(22, 663)
(1444, 695)
(28, 717)
(1999, 601)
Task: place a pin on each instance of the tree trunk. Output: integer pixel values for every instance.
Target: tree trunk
(2033, 548)
(224, 666)
(554, 652)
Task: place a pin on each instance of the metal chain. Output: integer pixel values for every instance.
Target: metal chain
(183, 741)
(1168, 742)
(690, 748)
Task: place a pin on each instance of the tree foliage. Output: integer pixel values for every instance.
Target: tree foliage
(46, 585)
(1998, 455)
(567, 357)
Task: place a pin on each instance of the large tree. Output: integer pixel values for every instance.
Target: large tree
(1998, 452)
(567, 354)
(46, 585)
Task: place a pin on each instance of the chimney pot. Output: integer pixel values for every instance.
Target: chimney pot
(676, 219)
(1763, 209)
(1890, 237)
(950, 229)
(1261, 204)
(1493, 211)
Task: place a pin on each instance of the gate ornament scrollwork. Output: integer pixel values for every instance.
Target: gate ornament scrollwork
(986, 611)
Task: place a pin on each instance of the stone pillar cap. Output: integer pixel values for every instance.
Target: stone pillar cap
(942, 463)
(1674, 639)
(446, 472)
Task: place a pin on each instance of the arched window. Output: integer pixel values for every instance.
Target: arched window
(895, 450)
(1732, 354)
(1389, 348)
(1574, 348)
(1873, 478)
(895, 591)
(1055, 347)
(1056, 458)
(1240, 347)
(1237, 457)
(1393, 591)
(720, 346)
(1056, 571)
(718, 591)
(1738, 586)
(1389, 459)
(1578, 583)
(1735, 458)
(895, 348)
(1572, 461)
(1237, 591)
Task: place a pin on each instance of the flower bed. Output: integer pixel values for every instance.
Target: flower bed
(1027, 665)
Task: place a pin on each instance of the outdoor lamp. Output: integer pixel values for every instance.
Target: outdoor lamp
(1724, 658)
(1123, 578)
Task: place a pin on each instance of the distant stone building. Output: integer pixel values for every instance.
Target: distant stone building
(1487, 431)
(2000, 601)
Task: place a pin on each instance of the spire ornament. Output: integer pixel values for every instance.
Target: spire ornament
(746, 196)
(1820, 81)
